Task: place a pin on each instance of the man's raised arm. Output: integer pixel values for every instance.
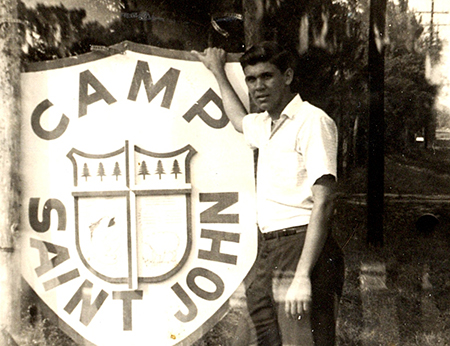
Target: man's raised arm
(214, 59)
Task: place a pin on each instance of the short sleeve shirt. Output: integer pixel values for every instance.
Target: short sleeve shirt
(298, 151)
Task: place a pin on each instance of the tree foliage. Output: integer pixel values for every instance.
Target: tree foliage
(330, 37)
(410, 96)
(50, 31)
(409, 105)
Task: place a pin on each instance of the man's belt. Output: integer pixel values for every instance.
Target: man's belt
(284, 232)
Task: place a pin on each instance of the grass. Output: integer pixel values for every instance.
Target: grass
(39, 331)
(422, 313)
(422, 172)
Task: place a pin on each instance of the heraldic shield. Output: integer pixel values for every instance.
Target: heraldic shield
(133, 213)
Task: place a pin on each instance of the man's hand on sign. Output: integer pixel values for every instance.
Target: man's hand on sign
(213, 58)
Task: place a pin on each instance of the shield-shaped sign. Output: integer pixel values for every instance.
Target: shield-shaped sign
(138, 201)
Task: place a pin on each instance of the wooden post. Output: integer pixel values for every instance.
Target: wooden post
(9, 170)
(375, 187)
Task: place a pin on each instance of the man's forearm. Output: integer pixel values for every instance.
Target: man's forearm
(316, 236)
(232, 104)
(319, 225)
(299, 295)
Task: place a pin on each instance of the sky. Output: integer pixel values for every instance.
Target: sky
(441, 20)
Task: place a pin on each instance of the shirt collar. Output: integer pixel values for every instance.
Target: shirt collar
(291, 108)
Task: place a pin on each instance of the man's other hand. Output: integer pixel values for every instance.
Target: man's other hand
(298, 299)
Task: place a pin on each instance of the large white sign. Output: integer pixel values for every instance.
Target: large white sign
(138, 202)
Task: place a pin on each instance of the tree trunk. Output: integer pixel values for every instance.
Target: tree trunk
(253, 21)
(430, 131)
(375, 187)
(9, 169)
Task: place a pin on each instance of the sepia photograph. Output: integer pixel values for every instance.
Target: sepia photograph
(225, 172)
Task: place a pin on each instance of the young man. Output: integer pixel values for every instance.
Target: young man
(296, 176)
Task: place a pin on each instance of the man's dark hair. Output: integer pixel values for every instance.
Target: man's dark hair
(271, 52)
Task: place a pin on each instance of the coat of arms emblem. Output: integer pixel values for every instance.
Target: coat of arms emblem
(133, 213)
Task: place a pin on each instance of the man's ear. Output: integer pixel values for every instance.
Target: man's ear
(289, 76)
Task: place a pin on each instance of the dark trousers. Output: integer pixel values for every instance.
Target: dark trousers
(276, 262)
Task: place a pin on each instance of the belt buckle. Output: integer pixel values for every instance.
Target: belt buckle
(282, 233)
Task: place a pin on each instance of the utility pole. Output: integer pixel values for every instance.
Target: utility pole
(430, 126)
(432, 23)
(9, 171)
(375, 187)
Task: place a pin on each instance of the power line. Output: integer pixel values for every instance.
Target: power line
(432, 24)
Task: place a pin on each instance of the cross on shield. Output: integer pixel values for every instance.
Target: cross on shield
(133, 213)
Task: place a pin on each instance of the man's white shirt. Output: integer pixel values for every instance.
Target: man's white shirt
(293, 154)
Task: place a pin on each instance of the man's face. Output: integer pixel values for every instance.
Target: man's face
(268, 86)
